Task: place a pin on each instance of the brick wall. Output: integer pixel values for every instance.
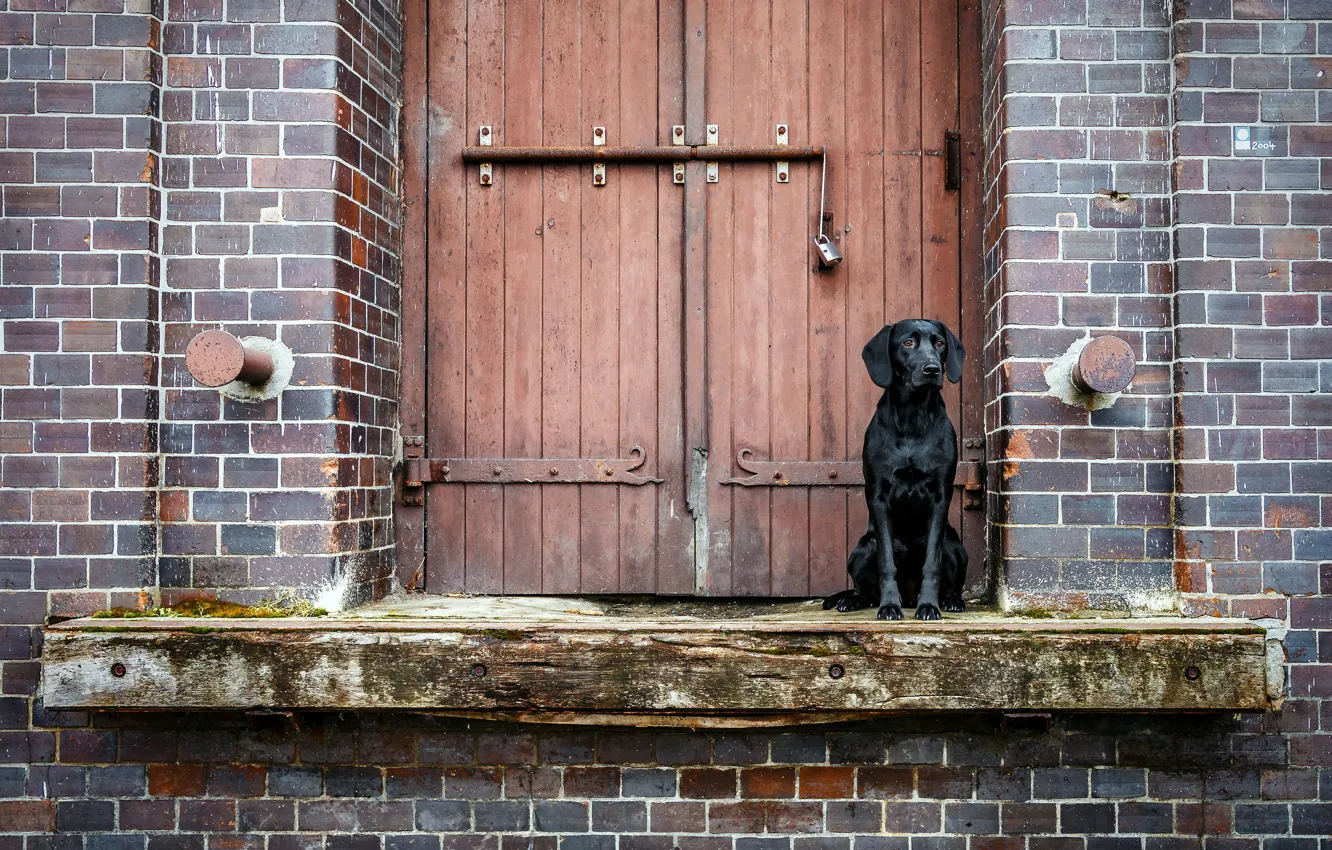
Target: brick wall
(415, 783)
(79, 366)
(1079, 191)
(166, 171)
(280, 221)
(254, 106)
(1254, 331)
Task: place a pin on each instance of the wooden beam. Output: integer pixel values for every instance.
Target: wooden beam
(664, 668)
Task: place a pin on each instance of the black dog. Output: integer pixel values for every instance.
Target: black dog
(910, 459)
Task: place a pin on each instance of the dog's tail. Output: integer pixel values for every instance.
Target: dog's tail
(863, 557)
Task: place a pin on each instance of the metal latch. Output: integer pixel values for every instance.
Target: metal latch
(413, 487)
(952, 159)
(971, 474)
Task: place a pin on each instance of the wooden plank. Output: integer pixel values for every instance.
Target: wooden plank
(409, 520)
(939, 246)
(449, 117)
(790, 278)
(940, 297)
(700, 402)
(750, 189)
(712, 315)
(904, 92)
(864, 245)
(828, 344)
(481, 361)
(971, 215)
(598, 291)
(561, 354)
(524, 235)
(659, 668)
(639, 394)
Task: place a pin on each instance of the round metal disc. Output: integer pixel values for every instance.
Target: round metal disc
(1107, 365)
(214, 358)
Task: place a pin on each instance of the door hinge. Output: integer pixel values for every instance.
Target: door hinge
(413, 487)
(971, 474)
(952, 159)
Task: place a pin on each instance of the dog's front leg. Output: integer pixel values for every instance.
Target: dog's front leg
(890, 600)
(927, 606)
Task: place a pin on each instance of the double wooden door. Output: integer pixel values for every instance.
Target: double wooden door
(671, 337)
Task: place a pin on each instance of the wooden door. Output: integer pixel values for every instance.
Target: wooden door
(565, 322)
(878, 83)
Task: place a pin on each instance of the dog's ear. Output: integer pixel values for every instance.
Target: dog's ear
(878, 359)
(956, 353)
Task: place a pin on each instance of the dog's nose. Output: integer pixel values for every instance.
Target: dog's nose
(931, 369)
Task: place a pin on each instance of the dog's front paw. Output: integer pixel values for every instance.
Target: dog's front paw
(889, 612)
(854, 602)
(846, 600)
(952, 603)
(928, 611)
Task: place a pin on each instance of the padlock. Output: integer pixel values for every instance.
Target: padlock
(829, 256)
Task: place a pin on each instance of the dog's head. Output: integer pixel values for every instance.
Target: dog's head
(914, 354)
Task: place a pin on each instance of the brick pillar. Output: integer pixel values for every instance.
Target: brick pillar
(79, 365)
(1078, 118)
(281, 221)
(1253, 277)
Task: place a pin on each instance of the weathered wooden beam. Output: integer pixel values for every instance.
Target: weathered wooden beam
(665, 668)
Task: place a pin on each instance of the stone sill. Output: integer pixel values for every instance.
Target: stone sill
(657, 662)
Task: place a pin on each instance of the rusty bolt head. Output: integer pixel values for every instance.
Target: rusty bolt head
(836, 671)
(485, 179)
(1106, 365)
(781, 128)
(499, 470)
(1192, 673)
(485, 131)
(478, 670)
(777, 476)
(118, 670)
(600, 131)
(832, 473)
(554, 471)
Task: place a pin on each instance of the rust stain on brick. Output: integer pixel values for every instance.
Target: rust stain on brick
(149, 169)
(1011, 469)
(1288, 516)
(1018, 447)
(28, 815)
(177, 780)
(330, 470)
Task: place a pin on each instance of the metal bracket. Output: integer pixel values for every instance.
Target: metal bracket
(971, 473)
(530, 470)
(831, 473)
(413, 449)
(952, 159)
(783, 167)
(713, 172)
(486, 139)
(599, 168)
(678, 138)
(797, 473)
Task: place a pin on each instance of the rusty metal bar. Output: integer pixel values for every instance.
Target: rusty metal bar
(418, 471)
(215, 358)
(639, 153)
(1105, 365)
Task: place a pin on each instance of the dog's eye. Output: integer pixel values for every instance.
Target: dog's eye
(939, 345)
(911, 343)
